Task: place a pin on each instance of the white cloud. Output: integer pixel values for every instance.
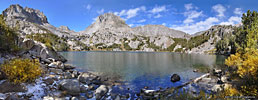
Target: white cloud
(158, 9)
(131, 25)
(238, 11)
(191, 15)
(164, 24)
(190, 6)
(158, 16)
(100, 11)
(130, 13)
(191, 27)
(199, 26)
(220, 9)
(188, 20)
(232, 21)
(141, 21)
(133, 12)
(88, 7)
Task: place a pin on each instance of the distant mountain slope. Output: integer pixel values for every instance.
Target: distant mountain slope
(109, 30)
(159, 30)
(215, 33)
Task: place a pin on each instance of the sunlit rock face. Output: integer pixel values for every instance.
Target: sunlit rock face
(215, 34)
(25, 14)
(29, 20)
(160, 30)
(109, 29)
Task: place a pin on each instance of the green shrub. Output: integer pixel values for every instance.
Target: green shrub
(201, 68)
(197, 41)
(171, 47)
(127, 47)
(50, 40)
(79, 43)
(179, 50)
(8, 38)
(180, 41)
(22, 70)
(99, 44)
(115, 46)
(153, 46)
(222, 46)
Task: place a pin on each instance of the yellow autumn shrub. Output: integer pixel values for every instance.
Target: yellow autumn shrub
(22, 70)
(246, 64)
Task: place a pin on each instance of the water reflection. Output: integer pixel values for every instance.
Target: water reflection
(141, 68)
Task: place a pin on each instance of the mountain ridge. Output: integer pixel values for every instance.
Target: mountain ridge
(110, 32)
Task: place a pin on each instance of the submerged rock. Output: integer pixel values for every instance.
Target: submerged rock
(175, 78)
(72, 86)
(101, 91)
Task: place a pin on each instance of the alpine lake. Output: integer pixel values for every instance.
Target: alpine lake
(143, 69)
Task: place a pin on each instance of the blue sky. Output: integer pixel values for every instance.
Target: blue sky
(186, 15)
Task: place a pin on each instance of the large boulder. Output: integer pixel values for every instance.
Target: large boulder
(67, 75)
(72, 86)
(87, 77)
(27, 44)
(217, 72)
(7, 86)
(68, 66)
(216, 88)
(101, 91)
(175, 78)
(57, 64)
(38, 49)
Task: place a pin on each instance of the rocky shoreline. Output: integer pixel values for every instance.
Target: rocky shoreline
(58, 80)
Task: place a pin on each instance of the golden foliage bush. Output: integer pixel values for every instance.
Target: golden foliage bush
(246, 64)
(22, 70)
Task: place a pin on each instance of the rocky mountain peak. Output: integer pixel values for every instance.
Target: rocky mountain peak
(17, 12)
(110, 19)
(66, 28)
(107, 21)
